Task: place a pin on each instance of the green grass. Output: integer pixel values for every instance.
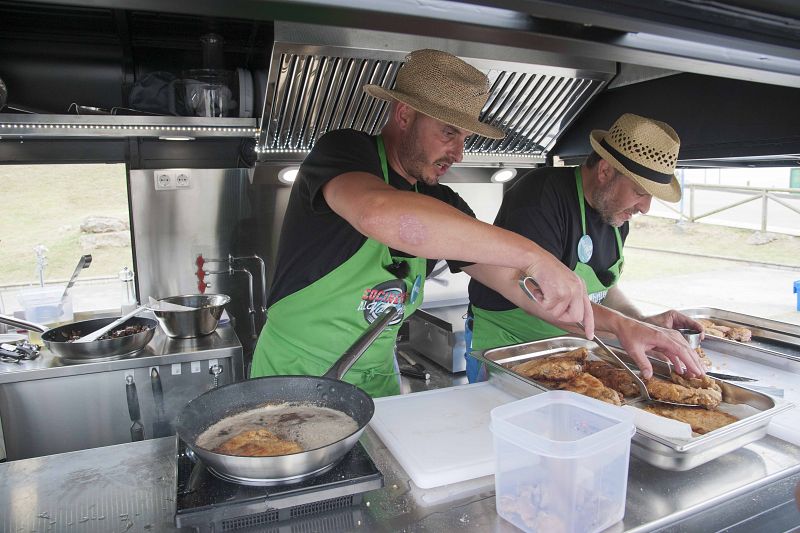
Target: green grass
(701, 247)
(45, 204)
(710, 240)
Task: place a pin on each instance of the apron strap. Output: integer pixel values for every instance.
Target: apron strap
(382, 155)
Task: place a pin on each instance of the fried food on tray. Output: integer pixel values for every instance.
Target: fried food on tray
(703, 357)
(612, 377)
(590, 386)
(704, 382)
(257, 443)
(668, 391)
(561, 367)
(740, 334)
(718, 330)
(701, 420)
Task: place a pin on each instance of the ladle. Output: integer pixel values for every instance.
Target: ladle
(608, 355)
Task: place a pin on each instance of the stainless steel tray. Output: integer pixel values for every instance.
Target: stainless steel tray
(754, 409)
(770, 337)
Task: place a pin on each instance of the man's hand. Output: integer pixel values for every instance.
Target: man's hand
(637, 338)
(672, 319)
(563, 293)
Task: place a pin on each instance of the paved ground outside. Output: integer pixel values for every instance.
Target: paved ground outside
(760, 291)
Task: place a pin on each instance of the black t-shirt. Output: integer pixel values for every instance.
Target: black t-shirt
(543, 206)
(314, 239)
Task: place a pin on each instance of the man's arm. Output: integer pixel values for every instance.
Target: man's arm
(670, 319)
(636, 337)
(426, 227)
(616, 300)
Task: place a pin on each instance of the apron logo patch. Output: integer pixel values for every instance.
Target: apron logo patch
(374, 301)
(598, 297)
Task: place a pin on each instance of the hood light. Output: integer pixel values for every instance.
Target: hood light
(503, 175)
(288, 175)
(175, 138)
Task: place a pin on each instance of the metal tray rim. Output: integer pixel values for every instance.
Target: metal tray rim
(739, 429)
(752, 322)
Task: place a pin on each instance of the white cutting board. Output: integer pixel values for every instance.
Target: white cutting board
(440, 436)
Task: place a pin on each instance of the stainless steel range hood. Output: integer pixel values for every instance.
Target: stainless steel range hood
(316, 74)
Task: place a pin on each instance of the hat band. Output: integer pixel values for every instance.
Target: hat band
(636, 168)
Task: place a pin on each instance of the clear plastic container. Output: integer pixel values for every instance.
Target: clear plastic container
(561, 462)
(43, 305)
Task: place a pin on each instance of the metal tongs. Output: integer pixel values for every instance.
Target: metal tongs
(608, 355)
(18, 352)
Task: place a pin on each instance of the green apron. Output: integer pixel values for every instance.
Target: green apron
(307, 331)
(501, 328)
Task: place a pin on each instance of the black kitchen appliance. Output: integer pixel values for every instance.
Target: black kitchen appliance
(327, 502)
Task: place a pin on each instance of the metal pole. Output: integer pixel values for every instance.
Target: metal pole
(764, 199)
(691, 203)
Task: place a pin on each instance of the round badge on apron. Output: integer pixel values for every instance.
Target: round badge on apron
(585, 249)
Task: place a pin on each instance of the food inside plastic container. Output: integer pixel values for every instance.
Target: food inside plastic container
(561, 462)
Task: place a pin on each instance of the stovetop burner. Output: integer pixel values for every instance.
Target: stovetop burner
(208, 503)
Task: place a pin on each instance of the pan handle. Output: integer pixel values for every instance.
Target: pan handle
(351, 355)
(22, 324)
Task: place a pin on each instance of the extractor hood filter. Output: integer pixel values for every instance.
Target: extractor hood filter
(313, 89)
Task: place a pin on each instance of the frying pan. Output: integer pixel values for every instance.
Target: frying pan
(326, 391)
(56, 339)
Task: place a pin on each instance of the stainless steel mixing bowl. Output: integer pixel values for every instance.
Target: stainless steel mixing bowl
(196, 322)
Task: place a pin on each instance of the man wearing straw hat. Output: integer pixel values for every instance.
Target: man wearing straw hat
(581, 215)
(367, 220)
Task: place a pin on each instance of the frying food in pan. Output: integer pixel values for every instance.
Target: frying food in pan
(277, 429)
(258, 443)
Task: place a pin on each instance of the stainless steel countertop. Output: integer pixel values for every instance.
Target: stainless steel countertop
(160, 350)
(130, 487)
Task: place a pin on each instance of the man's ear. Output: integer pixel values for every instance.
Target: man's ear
(605, 172)
(403, 115)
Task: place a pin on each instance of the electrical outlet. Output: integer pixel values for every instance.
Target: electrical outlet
(164, 180)
(183, 180)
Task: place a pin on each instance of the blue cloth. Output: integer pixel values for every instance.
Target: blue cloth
(476, 371)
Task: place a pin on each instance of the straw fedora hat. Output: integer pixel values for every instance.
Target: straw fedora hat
(444, 87)
(643, 149)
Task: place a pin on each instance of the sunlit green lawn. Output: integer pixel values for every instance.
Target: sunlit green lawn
(45, 204)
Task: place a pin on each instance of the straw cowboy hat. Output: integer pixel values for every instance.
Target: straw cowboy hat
(444, 87)
(643, 149)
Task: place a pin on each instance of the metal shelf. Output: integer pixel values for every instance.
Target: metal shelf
(110, 126)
